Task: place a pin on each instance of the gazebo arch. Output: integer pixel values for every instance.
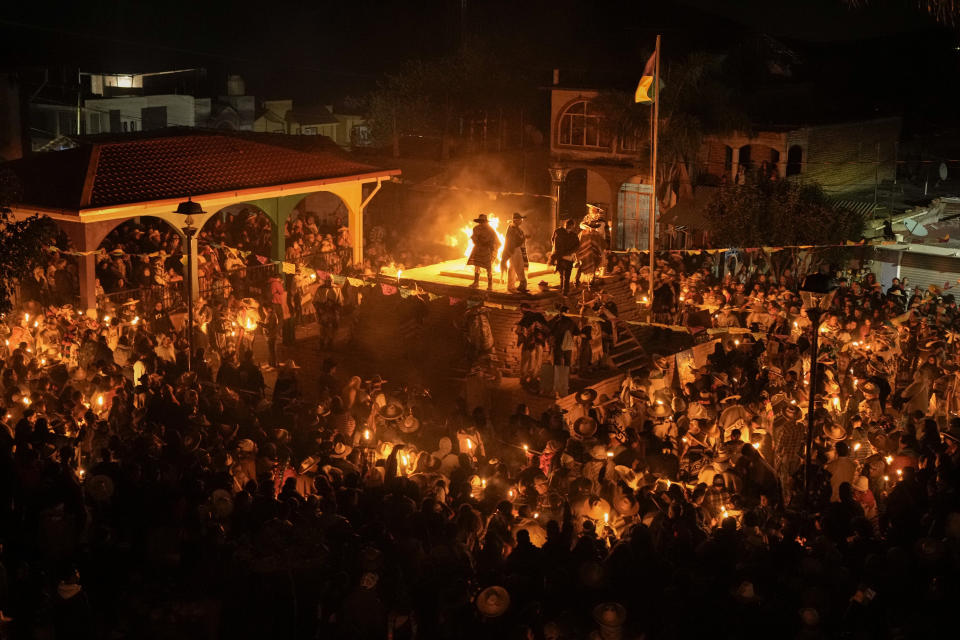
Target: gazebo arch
(88, 189)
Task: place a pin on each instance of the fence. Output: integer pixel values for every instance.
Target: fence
(335, 261)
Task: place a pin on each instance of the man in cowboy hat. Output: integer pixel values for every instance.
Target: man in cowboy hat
(485, 245)
(565, 243)
(514, 260)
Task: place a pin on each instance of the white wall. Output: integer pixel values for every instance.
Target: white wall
(180, 110)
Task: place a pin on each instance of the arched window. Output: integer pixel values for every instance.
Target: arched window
(794, 160)
(583, 125)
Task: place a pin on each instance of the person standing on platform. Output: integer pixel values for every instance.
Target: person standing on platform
(565, 244)
(485, 245)
(514, 260)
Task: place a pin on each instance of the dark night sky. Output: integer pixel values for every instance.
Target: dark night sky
(314, 49)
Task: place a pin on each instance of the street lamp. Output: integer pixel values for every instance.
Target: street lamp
(817, 293)
(556, 176)
(189, 209)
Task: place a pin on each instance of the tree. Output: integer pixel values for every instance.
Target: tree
(944, 11)
(697, 100)
(781, 213)
(427, 98)
(22, 242)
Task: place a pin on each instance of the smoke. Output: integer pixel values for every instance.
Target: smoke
(429, 213)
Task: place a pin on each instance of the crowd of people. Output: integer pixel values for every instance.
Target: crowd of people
(143, 497)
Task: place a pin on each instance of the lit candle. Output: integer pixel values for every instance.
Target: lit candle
(856, 447)
(469, 444)
(510, 493)
(756, 445)
(609, 454)
(366, 434)
(26, 401)
(889, 459)
(526, 448)
(536, 515)
(106, 318)
(26, 317)
(135, 320)
(606, 518)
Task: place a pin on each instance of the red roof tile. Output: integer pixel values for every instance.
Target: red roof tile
(172, 164)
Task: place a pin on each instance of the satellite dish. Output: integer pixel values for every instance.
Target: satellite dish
(943, 170)
(915, 228)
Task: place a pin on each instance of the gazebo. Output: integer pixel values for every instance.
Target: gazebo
(106, 180)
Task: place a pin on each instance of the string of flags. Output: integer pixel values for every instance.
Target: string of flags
(803, 247)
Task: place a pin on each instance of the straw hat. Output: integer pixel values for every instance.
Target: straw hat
(610, 615)
(630, 477)
(410, 424)
(586, 396)
(791, 412)
(746, 592)
(390, 411)
(493, 602)
(625, 505)
(870, 389)
(309, 465)
(341, 450)
(221, 503)
(99, 487)
(584, 428)
(661, 410)
(834, 432)
(246, 446)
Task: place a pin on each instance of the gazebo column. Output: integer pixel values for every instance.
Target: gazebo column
(88, 281)
(194, 266)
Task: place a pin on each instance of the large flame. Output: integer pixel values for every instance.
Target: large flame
(467, 230)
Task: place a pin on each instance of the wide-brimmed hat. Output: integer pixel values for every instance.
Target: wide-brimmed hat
(493, 602)
(861, 484)
(309, 465)
(834, 432)
(610, 615)
(390, 411)
(481, 218)
(584, 427)
(870, 389)
(246, 446)
(661, 410)
(517, 216)
(629, 477)
(250, 302)
(410, 424)
(99, 487)
(626, 505)
(341, 450)
(791, 411)
(746, 592)
(586, 396)
(221, 503)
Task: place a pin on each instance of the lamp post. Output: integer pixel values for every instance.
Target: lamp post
(189, 209)
(817, 293)
(556, 177)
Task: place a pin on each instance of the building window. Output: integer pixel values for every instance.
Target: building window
(628, 143)
(794, 160)
(94, 123)
(727, 159)
(582, 125)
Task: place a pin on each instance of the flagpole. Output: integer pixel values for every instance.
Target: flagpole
(653, 167)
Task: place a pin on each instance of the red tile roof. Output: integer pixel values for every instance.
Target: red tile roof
(173, 163)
